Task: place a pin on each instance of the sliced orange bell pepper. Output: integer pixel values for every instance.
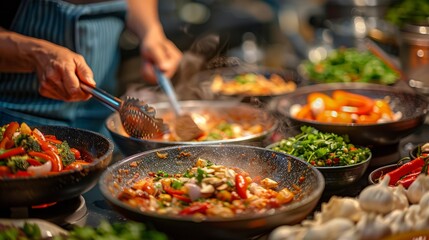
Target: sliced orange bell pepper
(329, 102)
(334, 117)
(304, 113)
(353, 103)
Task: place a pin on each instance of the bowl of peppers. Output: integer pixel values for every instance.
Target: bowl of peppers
(405, 171)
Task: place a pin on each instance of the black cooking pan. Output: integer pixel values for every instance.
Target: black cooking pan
(35, 190)
(257, 161)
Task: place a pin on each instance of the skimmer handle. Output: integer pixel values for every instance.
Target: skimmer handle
(112, 102)
(166, 85)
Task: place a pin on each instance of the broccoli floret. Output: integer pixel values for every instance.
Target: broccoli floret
(28, 142)
(16, 163)
(67, 156)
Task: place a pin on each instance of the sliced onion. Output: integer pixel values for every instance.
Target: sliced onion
(40, 170)
(194, 191)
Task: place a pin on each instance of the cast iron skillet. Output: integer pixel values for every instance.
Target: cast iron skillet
(255, 160)
(28, 191)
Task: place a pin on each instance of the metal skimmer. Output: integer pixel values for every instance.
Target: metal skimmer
(138, 118)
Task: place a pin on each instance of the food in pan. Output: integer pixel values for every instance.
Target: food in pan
(322, 149)
(219, 126)
(349, 65)
(206, 190)
(28, 152)
(252, 84)
(345, 107)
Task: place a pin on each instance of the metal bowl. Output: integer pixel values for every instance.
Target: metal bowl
(233, 111)
(383, 138)
(338, 177)
(257, 161)
(36, 190)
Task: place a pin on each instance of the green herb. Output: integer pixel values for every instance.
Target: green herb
(350, 65)
(323, 149)
(201, 174)
(176, 184)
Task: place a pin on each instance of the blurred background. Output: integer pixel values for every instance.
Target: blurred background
(274, 33)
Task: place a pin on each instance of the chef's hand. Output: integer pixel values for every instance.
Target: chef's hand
(157, 50)
(60, 72)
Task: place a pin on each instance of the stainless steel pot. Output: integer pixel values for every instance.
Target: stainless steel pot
(414, 55)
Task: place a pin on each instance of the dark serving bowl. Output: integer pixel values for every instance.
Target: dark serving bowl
(376, 174)
(338, 177)
(232, 111)
(36, 190)
(257, 161)
(382, 138)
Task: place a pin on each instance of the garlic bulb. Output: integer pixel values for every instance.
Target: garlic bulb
(339, 207)
(396, 221)
(377, 198)
(412, 215)
(419, 187)
(329, 230)
(400, 199)
(295, 232)
(372, 227)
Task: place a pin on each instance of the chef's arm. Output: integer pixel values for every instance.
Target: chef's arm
(155, 48)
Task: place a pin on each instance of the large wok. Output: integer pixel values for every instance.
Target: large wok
(234, 110)
(28, 191)
(257, 161)
(382, 138)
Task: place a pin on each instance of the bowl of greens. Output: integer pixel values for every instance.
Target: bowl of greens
(341, 162)
(348, 65)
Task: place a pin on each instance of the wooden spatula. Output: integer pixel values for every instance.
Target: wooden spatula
(184, 126)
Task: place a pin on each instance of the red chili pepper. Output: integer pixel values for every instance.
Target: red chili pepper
(168, 189)
(195, 208)
(241, 185)
(56, 165)
(11, 129)
(4, 171)
(76, 153)
(182, 198)
(404, 169)
(34, 162)
(22, 174)
(56, 141)
(407, 180)
(12, 152)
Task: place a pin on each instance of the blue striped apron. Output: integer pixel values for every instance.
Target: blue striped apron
(91, 30)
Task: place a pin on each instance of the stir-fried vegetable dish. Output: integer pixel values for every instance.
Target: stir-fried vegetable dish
(252, 84)
(206, 190)
(345, 107)
(221, 125)
(350, 65)
(28, 152)
(322, 149)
